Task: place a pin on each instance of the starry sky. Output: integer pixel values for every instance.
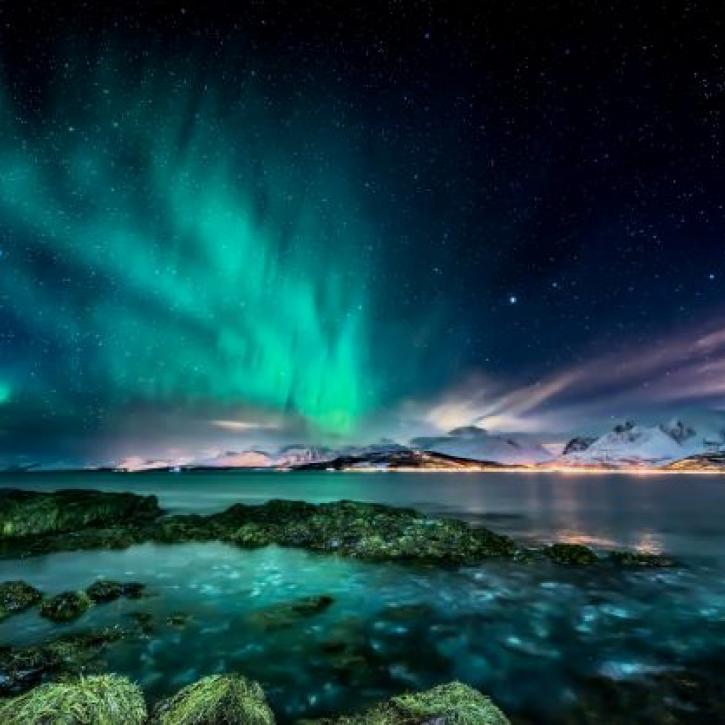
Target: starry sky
(282, 221)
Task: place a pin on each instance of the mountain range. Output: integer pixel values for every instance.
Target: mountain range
(670, 446)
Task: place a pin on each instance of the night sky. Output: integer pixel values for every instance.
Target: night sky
(304, 221)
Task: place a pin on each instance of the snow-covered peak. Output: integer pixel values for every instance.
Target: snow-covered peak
(632, 444)
(478, 444)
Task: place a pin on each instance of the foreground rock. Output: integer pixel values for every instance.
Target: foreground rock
(17, 596)
(450, 704)
(372, 532)
(24, 667)
(227, 699)
(28, 513)
(65, 606)
(95, 700)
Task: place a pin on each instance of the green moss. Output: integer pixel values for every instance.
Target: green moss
(30, 513)
(16, 596)
(25, 667)
(216, 700)
(65, 606)
(571, 554)
(104, 590)
(95, 700)
(450, 704)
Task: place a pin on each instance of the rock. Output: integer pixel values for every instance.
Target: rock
(97, 700)
(104, 591)
(287, 614)
(450, 704)
(578, 444)
(31, 513)
(216, 700)
(16, 596)
(65, 606)
(133, 590)
(372, 532)
(639, 559)
(24, 667)
(571, 554)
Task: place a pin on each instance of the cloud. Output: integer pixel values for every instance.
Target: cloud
(683, 369)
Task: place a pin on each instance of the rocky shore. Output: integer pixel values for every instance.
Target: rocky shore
(66, 673)
(40, 523)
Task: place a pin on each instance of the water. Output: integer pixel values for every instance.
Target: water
(534, 637)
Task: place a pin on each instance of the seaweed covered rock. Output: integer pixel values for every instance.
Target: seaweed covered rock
(95, 700)
(287, 614)
(361, 530)
(216, 700)
(104, 590)
(16, 596)
(450, 704)
(24, 667)
(576, 554)
(65, 606)
(30, 513)
(639, 559)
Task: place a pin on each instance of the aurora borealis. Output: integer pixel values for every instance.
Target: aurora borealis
(333, 226)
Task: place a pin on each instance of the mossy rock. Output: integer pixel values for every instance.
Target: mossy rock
(287, 614)
(576, 554)
(32, 513)
(639, 559)
(95, 700)
(216, 700)
(104, 590)
(24, 667)
(16, 596)
(450, 704)
(65, 606)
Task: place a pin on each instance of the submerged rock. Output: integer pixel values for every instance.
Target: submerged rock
(16, 596)
(24, 667)
(216, 700)
(65, 606)
(571, 554)
(287, 614)
(30, 513)
(178, 619)
(450, 704)
(639, 559)
(95, 700)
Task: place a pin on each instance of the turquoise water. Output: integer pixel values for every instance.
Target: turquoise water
(531, 636)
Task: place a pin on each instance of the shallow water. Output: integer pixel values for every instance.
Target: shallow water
(529, 635)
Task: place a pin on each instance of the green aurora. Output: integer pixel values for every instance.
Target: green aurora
(197, 247)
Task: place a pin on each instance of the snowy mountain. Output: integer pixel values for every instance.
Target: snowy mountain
(297, 454)
(238, 459)
(480, 445)
(629, 444)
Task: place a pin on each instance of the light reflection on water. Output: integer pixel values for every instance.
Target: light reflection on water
(524, 634)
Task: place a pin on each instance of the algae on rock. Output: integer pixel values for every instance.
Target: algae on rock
(94, 700)
(451, 704)
(31, 513)
(216, 700)
(17, 596)
(65, 606)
